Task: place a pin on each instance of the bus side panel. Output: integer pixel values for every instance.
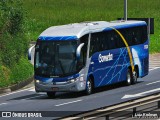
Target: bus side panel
(111, 70)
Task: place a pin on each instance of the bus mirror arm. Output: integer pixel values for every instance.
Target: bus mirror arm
(30, 51)
(78, 51)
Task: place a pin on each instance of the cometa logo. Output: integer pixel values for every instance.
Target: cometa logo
(105, 58)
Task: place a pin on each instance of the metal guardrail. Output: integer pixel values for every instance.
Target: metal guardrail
(107, 111)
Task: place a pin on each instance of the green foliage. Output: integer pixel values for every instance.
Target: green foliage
(45, 13)
(13, 43)
(14, 47)
(22, 70)
(12, 15)
(19, 72)
(14, 66)
(4, 76)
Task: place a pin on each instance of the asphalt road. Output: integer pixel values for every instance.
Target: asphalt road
(69, 103)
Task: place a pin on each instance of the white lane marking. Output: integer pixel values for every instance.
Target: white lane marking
(33, 97)
(153, 82)
(140, 94)
(3, 103)
(32, 90)
(154, 68)
(68, 103)
(17, 91)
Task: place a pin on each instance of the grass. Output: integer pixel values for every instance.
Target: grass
(19, 72)
(45, 13)
(14, 65)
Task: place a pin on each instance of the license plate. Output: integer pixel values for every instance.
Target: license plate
(54, 88)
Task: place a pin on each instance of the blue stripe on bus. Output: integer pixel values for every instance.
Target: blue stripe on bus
(57, 38)
(48, 38)
(57, 79)
(125, 26)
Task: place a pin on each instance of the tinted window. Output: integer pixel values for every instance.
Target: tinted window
(95, 39)
(135, 35)
(144, 34)
(107, 40)
(84, 40)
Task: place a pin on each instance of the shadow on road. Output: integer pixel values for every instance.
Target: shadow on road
(70, 95)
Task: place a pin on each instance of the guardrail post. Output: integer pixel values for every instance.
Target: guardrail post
(158, 104)
(134, 111)
(107, 117)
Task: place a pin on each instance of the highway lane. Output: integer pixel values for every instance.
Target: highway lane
(69, 103)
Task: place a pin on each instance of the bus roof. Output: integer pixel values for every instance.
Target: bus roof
(76, 30)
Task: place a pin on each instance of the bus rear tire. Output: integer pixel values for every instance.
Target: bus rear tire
(89, 87)
(129, 77)
(51, 94)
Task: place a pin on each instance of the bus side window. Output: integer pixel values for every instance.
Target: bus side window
(144, 36)
(101, 41)
(106, 40)
(126, 37)
(94, 43)
(137, 35)
(110, 40)
(91, 48)
(84, 39)
(129, 36)
(119, 41)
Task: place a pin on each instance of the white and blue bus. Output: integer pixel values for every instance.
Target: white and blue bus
(84, 56)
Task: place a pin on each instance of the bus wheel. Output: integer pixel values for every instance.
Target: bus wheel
(51, 94)
(135, 76)
(89, 87)
(129, 77)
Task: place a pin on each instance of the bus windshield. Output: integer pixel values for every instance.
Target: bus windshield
(56, 58)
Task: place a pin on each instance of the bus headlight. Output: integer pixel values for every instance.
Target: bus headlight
(81, 79)
(37, 81)
(71, 81)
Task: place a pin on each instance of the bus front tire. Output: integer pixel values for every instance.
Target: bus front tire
(89, 87)
(51, 94)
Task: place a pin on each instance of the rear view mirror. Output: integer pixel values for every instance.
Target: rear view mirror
(78, 51)
(29, 52)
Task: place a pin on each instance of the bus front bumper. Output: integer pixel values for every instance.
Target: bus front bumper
(60, 87)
